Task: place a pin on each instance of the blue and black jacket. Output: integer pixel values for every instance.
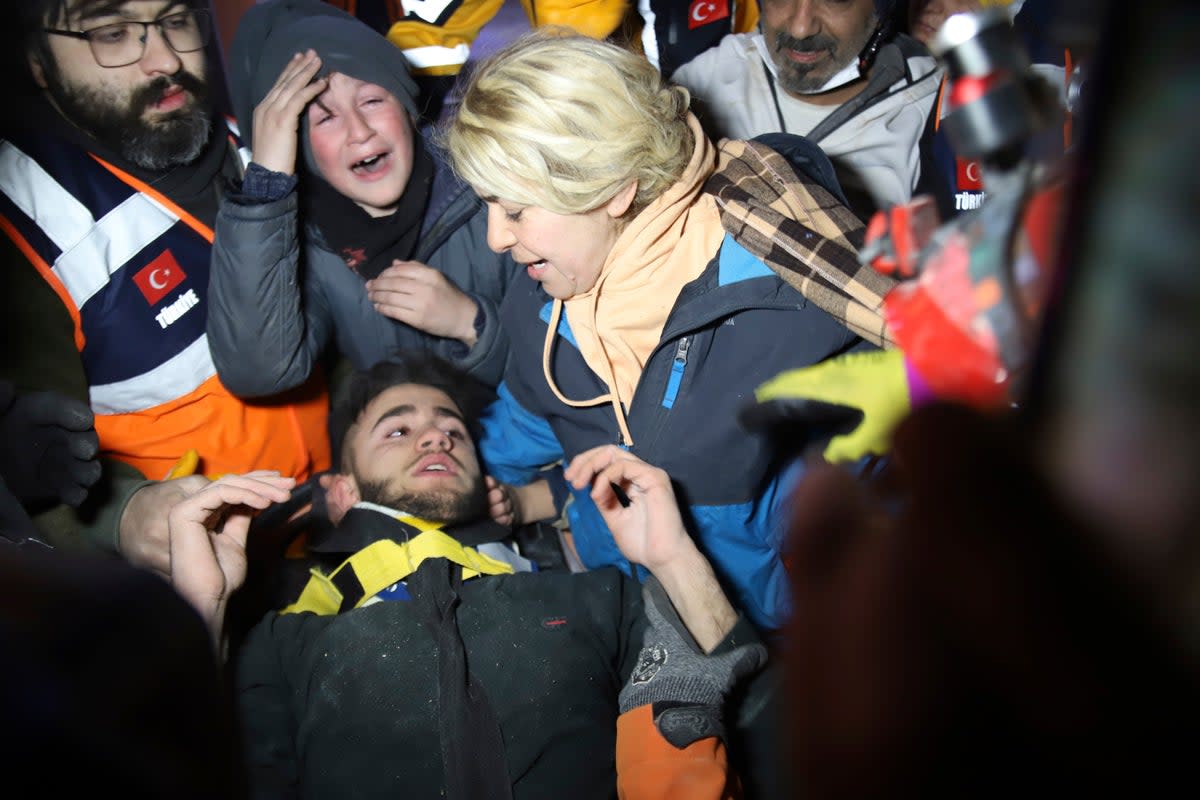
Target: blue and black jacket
(732, 328)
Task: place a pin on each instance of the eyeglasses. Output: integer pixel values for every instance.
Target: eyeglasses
(123, 43)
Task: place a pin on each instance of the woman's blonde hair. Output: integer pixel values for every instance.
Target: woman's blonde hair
(564, 122)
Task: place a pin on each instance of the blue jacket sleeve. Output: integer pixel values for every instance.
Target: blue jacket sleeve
(516, 443)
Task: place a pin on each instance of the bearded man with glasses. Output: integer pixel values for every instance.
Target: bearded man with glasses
(111, 173)
(161, 121)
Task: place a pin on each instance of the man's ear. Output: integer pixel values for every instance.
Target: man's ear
(622, 200)
(37, 70)
(340, 496)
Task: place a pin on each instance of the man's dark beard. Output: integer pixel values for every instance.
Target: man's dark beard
(172, 140)
(798, 77)
(436, 506)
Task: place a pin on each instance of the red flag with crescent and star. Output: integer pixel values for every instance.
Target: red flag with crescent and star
(702, 12)
(159, 277)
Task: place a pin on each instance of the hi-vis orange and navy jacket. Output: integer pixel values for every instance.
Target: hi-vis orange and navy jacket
(131, 267)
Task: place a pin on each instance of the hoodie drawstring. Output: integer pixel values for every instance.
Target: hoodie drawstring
(611, 397)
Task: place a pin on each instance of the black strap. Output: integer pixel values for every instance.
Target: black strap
(890, 67)
(888, 74)
(347, 582)
(472, 744)
(775, 97)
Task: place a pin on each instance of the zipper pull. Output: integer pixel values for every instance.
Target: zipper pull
(682, 350)
(675, 379)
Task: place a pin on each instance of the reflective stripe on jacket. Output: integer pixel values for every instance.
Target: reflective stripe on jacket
(132, 269)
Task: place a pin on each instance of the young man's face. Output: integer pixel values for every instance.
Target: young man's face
(812, 40)
(155, 111)
(362, 142)
(410, 450)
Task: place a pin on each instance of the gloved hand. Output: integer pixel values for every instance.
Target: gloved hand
(872, 385)
(48, 446)
(685, 687)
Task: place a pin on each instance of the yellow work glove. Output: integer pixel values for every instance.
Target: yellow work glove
(871, 387)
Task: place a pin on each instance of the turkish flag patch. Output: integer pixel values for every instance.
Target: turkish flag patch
(969, 176)
(702, 12)
(159, 277)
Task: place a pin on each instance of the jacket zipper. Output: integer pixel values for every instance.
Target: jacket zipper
(696, 326)
(678, 365)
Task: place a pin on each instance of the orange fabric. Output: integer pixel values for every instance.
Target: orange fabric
(745, 17)
(651, 768)
(461, 28)
(231, 435)
(595, 18)
(619, 321)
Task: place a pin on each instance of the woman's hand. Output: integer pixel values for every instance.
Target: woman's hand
(639, 505)
(277, 117)
(637, 502)
(421, 296)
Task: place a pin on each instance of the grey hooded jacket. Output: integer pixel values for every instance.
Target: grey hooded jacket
(278, 295)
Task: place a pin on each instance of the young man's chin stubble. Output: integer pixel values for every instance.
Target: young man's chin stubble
(439, 506)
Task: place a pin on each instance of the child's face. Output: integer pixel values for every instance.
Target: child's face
(361, 140)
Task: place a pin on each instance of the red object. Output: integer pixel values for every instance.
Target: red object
(955, 366)
(970, 88)
(899, 233)
(159, 277)
(884, 261)
(1041, 221)
(702, 12)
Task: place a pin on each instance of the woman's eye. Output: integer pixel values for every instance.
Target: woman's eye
(513, 216)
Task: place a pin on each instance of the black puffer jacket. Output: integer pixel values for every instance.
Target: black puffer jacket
(346, 706)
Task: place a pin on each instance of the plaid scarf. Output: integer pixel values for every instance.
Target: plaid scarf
(801, 231)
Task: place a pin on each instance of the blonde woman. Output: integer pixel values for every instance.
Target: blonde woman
(640, 319)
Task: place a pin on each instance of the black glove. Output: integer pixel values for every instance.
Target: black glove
(685, 687)
(48, 446)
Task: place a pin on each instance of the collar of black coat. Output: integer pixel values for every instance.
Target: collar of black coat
(363, 526)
